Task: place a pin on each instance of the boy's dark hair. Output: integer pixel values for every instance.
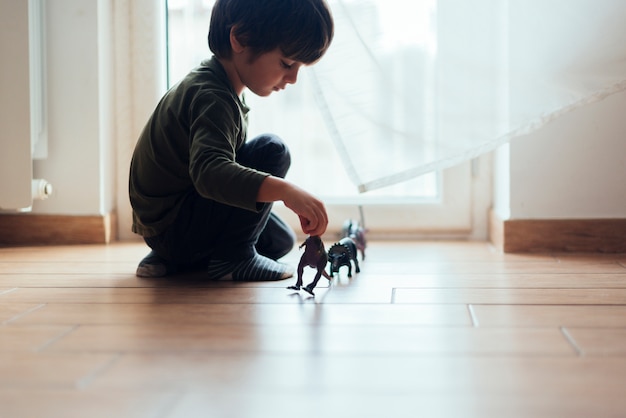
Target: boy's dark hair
(302, 29)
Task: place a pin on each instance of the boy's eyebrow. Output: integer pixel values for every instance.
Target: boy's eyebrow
(294, 60)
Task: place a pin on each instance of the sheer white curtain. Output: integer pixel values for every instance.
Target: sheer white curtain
(409, 87)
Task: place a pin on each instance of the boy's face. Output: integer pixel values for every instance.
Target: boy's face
(266, 73)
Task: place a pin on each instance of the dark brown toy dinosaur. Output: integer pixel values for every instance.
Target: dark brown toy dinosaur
(314, 256)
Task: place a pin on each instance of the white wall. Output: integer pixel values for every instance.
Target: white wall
(572, 168)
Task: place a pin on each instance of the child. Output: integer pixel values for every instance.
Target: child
(201, 192)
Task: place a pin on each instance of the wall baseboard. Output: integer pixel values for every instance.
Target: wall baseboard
(35, 229)
(558, 235)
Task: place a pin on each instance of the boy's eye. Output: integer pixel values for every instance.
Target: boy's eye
(285, 65)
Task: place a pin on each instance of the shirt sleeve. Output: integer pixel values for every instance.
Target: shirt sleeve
(216, 131)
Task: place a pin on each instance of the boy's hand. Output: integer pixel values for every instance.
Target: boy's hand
(310, 210)
(315, 222)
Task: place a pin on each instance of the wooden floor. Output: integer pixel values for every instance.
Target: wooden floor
(427, 329)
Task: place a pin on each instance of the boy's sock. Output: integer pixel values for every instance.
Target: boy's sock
(154, 265)
(257, 268)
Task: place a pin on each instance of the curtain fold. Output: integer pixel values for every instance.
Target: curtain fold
(412, 87)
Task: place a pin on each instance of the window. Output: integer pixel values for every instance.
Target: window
(436, 201)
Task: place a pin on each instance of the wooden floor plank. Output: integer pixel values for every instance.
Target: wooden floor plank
(550, 316)
(115, 253)
(497, 281)
(269, 405)
(30, 370)
(29, 338)
(513, 296)
(83, 280)
(67, 267)
(392, 374)
(233, 294)
(328, 340)
(494, 267)
(250, 314)
(67, 403)
(12, 311)
(600, 341)
(445, 252)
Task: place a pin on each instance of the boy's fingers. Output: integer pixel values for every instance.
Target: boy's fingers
(311, 227)
(314, 219)
(317, 228)
(305, 224)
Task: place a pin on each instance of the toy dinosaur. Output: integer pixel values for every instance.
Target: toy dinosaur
(343, 253)
(314, 256)
(352, 229)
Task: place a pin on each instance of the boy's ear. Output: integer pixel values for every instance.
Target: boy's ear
(236, 46)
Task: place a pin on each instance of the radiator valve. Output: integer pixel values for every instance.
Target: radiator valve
(41, 189)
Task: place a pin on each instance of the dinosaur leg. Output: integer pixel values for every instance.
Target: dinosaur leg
(298, 284)
(309, 287)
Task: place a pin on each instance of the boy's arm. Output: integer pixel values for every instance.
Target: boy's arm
(310, 210)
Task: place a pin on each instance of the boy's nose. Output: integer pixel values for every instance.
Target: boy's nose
(292, 76)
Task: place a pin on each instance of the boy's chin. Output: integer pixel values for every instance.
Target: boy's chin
(261, 93)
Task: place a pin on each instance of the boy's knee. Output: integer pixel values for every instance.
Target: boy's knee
(276, 154)
(275, 145)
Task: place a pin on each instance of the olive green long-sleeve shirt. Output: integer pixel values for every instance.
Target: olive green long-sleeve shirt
(190, 142)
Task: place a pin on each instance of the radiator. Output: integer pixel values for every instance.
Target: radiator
(23, 127)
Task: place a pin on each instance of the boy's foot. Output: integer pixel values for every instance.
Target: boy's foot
(153, 265)
(257, 268)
